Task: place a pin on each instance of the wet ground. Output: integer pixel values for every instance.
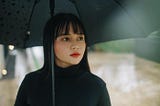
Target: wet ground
(8, 89)
(131, 81)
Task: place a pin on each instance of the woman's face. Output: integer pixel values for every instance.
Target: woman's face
(69, 49)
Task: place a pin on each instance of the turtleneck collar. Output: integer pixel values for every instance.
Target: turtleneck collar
(67, 72)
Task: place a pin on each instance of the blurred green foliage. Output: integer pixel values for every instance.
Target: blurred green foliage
(117, 46)
(148, 48)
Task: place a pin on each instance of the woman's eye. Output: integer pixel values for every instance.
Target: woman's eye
(81, 38)
(65, 39)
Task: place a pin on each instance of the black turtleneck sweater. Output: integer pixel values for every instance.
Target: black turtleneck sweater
(73, 87)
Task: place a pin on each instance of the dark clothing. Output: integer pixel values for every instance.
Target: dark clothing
(73, 87)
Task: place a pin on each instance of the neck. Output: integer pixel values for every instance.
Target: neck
(63, 65)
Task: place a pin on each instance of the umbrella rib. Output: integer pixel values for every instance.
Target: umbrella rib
(52, 6)
(76, 8)
(129, 14)
(33, 8)
(29, 21)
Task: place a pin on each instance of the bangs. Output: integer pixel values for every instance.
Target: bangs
(63, 28)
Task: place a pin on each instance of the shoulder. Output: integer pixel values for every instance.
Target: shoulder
(34, 73)
(33, 77)
(96, 80)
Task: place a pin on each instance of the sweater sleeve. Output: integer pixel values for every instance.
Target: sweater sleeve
(21, 99)
(104, 98)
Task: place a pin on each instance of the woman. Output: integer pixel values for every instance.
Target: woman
(75, 85)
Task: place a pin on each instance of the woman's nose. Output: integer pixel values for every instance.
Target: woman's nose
(74, 47)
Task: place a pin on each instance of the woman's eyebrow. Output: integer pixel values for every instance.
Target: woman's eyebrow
(66, 34)
(80, 32)
(62, 34)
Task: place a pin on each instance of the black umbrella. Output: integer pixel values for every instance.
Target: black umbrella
(22, 22)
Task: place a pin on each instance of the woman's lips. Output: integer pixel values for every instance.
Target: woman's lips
(75, 55)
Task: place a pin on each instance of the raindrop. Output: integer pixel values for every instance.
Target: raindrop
(13, 4)
(1, 18)
(16, 18)
(25, 19)
(7, 32)
(12, 26)
(26, 24)
(23, 6)
(4, 8)
(17, 11)
(9, 13)
(3, 1)
(2, 25)
(5, 12)
(22, 28)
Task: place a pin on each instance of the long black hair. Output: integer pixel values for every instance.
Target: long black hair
(55, 26)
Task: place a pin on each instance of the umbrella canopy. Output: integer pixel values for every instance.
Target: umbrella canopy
(22, 21)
